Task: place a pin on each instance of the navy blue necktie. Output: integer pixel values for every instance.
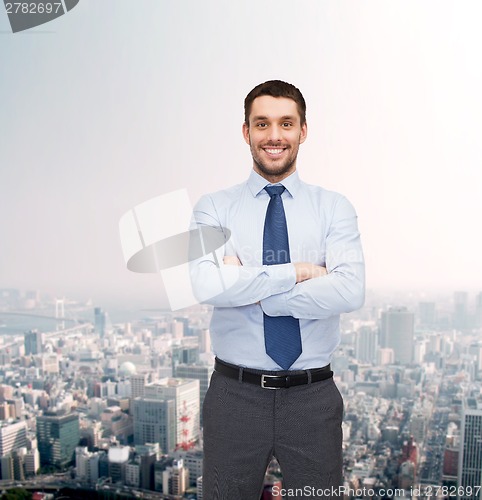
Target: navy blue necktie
(282, 336)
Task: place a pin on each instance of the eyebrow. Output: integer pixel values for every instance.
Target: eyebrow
(260, 117)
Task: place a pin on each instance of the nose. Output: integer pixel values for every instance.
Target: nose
(275, 133)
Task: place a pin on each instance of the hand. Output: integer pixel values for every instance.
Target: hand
(307, 270)
(232, 260)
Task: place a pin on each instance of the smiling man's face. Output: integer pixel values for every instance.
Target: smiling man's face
(274, 135)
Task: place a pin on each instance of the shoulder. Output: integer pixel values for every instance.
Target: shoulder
(330, 202)
(220, 200)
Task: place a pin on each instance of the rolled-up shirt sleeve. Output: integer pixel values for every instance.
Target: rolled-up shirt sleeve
(222, 285)
(342, 290)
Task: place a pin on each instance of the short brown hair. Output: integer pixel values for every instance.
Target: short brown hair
(276, 88)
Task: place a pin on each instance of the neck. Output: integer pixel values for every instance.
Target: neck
(274, 178)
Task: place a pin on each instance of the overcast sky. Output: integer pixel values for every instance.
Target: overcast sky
(119, 101)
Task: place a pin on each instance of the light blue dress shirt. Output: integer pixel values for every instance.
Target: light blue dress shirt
(322, 229)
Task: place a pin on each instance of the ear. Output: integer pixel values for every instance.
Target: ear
(246, 133)
(303, 133)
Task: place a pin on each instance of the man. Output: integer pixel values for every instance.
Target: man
(297, 253)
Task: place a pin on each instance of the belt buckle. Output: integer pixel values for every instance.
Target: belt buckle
(263, 381)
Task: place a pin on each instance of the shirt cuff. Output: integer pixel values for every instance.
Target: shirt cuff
(284, 279)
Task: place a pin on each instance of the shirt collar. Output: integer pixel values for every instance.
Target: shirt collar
(257, 183)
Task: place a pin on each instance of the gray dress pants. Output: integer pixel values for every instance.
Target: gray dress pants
(245, 425)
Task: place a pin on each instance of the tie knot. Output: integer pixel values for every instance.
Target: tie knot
(274, 190)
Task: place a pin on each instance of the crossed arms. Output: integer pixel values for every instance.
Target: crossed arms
(303, 290)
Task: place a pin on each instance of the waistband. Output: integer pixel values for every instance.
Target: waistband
(272, 379)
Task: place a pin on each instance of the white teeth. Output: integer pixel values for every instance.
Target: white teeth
(274, 151)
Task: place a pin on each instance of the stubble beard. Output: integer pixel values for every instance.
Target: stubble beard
(274, 170)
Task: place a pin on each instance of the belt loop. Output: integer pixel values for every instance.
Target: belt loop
(308, 373)
(240, 374)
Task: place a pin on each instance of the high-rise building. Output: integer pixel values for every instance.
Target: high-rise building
(148, 453)
(102, 322)
(175, 479)
(478, 310)
(199, 488)
(427, 314)
(460, 319)
(475, 350)
(185, 394)
(33, 342)
(193, 460)
(49, 363)
(204, 340)
(138, 382)
(103, 464)
(146, 467)
(406, 475)
(182, 354)
(177, 329)
(155, 422)
(197, 372)
(397, 333)
(470, 456)
(159, 467)
(450, 462)
(419, 351)
(366, 345)
(32, 462)
(81, 463)
(58, 435)
(4, 411)
(417, 426)
(6, 392)
(385, 356)
(12, 436)
(118, 458)
(133, 472)
(6, 467)
(19, 463)
(91, 432)
(13, 465)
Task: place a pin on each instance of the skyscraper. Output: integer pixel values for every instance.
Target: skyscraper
(427, 316)
(198, 372)
(58, 435)
(181, 354)
(138, 382)
(366, 345)
(101, 321)
(155, 422)
(470, 456)
(460, 315)
(33, 342)
(397, 333)
(118, 458)
(175, 479)
(185, 393)
(12, 436)
(478, 310)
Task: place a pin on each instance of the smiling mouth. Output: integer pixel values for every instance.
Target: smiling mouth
(274, 151)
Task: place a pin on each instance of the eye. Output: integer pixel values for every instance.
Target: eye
(261, 125)
(287, 124)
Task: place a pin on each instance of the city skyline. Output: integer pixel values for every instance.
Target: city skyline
(92, 125)
(130, 394)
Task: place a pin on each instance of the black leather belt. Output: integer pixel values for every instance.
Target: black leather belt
(270, 381)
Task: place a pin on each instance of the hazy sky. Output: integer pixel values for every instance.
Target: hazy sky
(119, 101)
